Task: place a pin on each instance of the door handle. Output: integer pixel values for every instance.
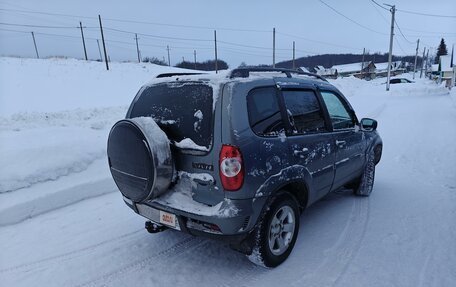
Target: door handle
(301, 152)
(340, 143)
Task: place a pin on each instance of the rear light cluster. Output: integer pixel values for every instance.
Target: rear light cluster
(231, 168)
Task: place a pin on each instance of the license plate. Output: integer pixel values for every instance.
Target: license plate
(168, 218)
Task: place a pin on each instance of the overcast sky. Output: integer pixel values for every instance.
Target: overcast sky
(244, 28)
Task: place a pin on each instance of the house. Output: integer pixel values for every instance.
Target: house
(446, 70)
(359, 70)
(382, 69)
(304, 69)
(324, 72)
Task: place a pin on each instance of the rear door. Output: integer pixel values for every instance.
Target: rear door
(309, 138)
(184, 110)
(348, 138)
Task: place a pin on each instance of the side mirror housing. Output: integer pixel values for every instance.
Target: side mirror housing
(368, 124)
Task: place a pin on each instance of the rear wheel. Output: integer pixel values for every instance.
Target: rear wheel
(276, 233)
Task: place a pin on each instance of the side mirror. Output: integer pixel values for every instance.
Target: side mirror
(368, 124)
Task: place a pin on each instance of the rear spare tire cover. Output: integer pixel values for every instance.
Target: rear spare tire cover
(140, 158)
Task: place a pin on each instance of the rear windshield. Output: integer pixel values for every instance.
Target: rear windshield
(182, 110)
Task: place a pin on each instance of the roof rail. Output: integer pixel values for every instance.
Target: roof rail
(164, 75)
(245, 72)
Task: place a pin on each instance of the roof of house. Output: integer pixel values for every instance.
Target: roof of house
(445, 63)
(326, 72)
(304, 69)
(351, 68)
(382, 66)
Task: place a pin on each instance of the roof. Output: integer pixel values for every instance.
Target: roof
(326, 72)
(304, 69)
(350, 68)
(382, 66)
(445, 63)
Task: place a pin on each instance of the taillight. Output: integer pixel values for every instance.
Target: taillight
(231, 168)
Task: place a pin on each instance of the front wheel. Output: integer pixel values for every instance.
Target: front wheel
(276, 233)
(366, 183)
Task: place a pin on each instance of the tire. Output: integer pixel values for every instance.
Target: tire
(366, 183)
(140, 159)
(276, 233)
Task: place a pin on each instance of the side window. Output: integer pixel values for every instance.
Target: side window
(338, 111)
(304, 111)
(264, 113)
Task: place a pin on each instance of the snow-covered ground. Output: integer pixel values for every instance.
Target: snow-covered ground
(63, 223)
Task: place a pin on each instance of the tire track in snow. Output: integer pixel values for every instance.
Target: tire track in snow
(245, 277)
(69, 255)
(375, 113)
(339, 256)
(178, 248)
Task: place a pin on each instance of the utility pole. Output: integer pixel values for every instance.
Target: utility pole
(416, 57)
(137, 48)
(34, 43)
(422, 63)
(362, 64)
(273, 47)
(194, 57)
(83, 41)
(216, 60)
(183, 59)
(104, 44)
(390, 56)
(426, 63)
(294, 66)
(169, 59)
(99, 50)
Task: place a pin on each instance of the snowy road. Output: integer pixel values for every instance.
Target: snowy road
(403, 235)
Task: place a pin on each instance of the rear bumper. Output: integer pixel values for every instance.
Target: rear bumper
(234, 227)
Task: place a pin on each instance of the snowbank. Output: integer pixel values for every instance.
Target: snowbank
(55, 117)
(52, 85)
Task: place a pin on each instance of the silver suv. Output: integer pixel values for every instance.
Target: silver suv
(238, 156)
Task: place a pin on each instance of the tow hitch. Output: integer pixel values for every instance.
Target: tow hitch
(152, 227)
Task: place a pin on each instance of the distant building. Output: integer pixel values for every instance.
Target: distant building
(446, 71)
(304, 69)
(359, 70)
(382, 69)
(324, 72)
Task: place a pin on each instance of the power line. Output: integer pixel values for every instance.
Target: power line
(400, 47)
(39, 26)
(426, 14)
(246, 46)
(315, 41)
(375, 2)
(399, 28)
(187, 26)
(140, 22)
(351, 20)
(155, 36)
(47, 13)
(376, 9)
(10, 30)
(430, 32)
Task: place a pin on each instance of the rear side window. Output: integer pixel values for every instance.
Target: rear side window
(182, 110)
(264, 113)
(304, 111)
